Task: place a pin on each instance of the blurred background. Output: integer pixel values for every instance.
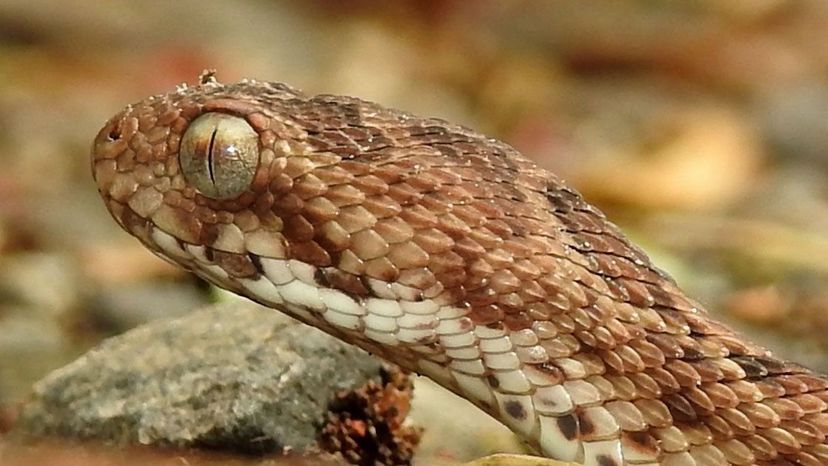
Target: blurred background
(701, 127)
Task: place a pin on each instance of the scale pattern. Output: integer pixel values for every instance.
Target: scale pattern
(451, 254)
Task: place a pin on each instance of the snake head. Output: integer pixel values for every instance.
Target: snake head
(210, 171)
(302, 203)
(194, 163)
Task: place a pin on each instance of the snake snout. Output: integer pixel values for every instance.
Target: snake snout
(110, 142)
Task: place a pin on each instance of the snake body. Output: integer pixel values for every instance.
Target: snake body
(452, 255)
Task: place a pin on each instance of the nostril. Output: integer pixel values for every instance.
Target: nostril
(115, 132)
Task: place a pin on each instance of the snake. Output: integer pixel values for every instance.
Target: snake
(454, 256)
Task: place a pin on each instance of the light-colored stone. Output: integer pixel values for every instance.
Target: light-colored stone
(233, 376)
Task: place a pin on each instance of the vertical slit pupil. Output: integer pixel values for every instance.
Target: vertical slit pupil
(210, 158)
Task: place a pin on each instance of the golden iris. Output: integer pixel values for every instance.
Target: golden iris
(219, 155)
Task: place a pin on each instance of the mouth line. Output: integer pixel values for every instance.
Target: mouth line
(393, 314)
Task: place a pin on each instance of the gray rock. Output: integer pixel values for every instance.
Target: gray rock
(234, 376)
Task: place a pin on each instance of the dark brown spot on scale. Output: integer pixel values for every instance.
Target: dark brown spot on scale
(606, 460)
(310, 253)
(518, 321)
(642, 443)
(569, 426)
(515, 409)
(435, 346)
(752, 367)
(372, 290)
(492, 380)
(777, 367)
(257, 262)
(209, 253)
(485, 406)
(181, 244)
(485, 315)
(640, 439)
(680, 408)
(320, 277)
(133, 221)
(424, 325)
(381, 269)
(495, 326)
(586, 426)
(555, 374)
(236, 265)
(426, 339)
(208, 234)
(692, 354)
(346, 282)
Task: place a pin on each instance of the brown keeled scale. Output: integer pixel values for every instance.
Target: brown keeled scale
(370, 195)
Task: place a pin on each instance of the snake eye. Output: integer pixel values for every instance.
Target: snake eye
(219, 155)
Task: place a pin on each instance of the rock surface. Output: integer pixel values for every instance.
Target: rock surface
(232, 377)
